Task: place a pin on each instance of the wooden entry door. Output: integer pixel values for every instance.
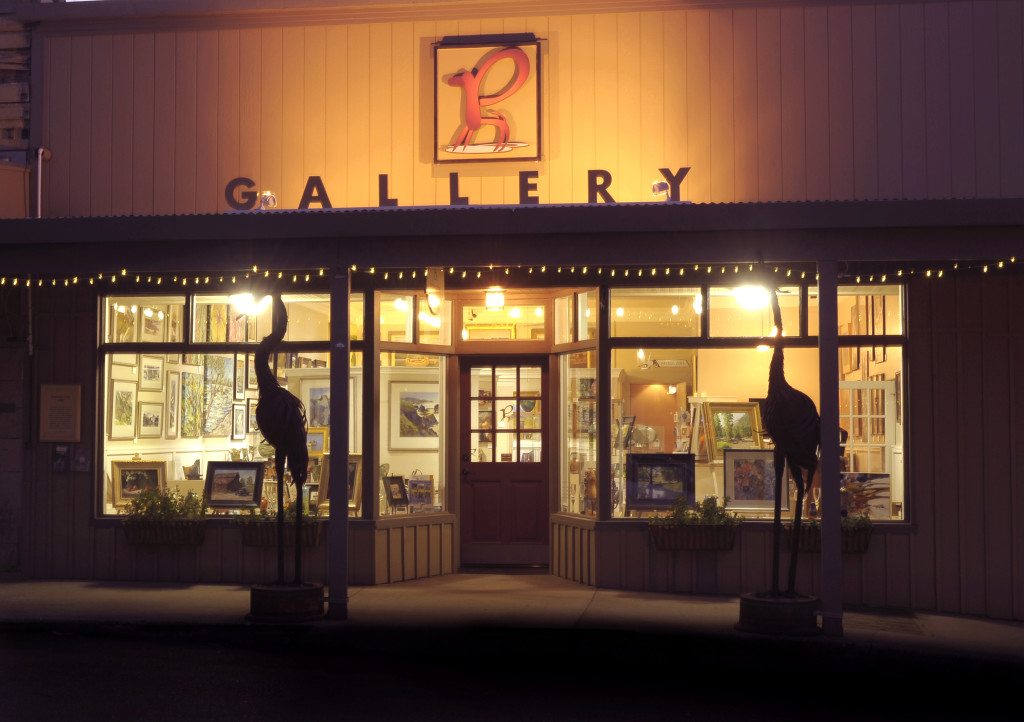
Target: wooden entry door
(504, 499)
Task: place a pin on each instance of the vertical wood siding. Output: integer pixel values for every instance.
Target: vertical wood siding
(767, 104)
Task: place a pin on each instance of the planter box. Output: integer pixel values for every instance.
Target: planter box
(854, 541)
(185, 532)
(693, 537)
(264, 533)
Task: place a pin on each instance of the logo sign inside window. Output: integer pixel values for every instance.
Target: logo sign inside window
(487, 101)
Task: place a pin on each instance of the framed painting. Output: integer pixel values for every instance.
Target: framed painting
(750, 480)
(415, 413)
(124, 326)
(124, 359)
(317, 440)
(131, 478)
(252, 427)
(657, 481)
(218, 395)
(250, 375)
(239, 377)
(191, 408)
(151, 373)
(171, 398)
(153, 327)
(218, 323)
(732, 426)
(395, 491)
(355, 475)
(239, 422)
(122, 409)
(174, 323)
(151, 420)
(317, 397)
(232, 484)
(421, 492)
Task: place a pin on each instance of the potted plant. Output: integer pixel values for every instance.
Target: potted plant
(704, 526)
(855, 530)
(157, 517)
(259, 528)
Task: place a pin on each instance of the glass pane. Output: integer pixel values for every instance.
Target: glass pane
(412, 419)
(530, 414)
(578, 478)
(812, 311)
(505, 382)
(523, 322)
(745, 311)
(481, 415)
(309, 316)
(529, 381)
(655, 312)
(481, 381)
(434, 328)
(230, 319)
(145, 319)
(506, 448)
(356, 309)
(529, 449)
(396, 317)
(506, 414)
(586, 303)
(870, 310)
(564, 319)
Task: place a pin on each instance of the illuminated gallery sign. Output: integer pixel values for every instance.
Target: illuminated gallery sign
(487, 99)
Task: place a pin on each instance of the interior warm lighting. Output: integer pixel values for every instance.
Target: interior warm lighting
(640, 355)
(752, 298)
(587, 314)
(429, 320)
(435, 289)
(620, 312)
(465, 334)
(675, 310)
(401, 304)
(671, 389)
(698, 304)
(494, 298)
(763, 347)
(514, 313)
(539, 312)
(247, 304)
(433, 303)
(147, 312)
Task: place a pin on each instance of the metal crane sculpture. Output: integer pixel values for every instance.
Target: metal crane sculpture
(282, 421)
(793, 423)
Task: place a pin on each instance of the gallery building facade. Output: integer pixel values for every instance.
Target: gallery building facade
(528, 303)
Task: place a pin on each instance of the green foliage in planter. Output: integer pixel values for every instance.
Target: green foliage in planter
(264, 516)
(847, 522)
(153, 505)
(706, 511)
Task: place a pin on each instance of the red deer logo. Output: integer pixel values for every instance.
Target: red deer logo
(477, 110)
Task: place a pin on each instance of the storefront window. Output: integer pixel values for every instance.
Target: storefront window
(143, 319)
(224, 318)
(870, 310)
(586, 307)
(578, 487)
(746, 311)
(309, 316)
(412, 419)
(434, 324)
(356, 308)
(643, 312)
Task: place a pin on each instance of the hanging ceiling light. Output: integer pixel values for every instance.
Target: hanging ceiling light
(494, 298)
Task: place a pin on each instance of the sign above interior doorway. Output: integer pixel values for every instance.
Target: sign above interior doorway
(487, 98)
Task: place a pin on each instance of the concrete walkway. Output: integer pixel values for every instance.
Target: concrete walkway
(488, 600)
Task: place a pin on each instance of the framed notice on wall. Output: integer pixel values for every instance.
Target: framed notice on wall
(60, 412)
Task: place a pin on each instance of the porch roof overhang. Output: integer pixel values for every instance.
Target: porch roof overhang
(597, 234)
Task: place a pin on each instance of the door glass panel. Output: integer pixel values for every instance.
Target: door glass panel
(529, 381)
(505, 382)
(564, 319)
(505, 447)
(481, 382)
(529, 448)
(506, 415)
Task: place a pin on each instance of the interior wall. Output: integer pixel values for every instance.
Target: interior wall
(742, 374)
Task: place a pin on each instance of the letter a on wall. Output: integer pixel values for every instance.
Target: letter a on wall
(487, 100)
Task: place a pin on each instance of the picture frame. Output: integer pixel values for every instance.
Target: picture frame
(218, 394)
(151, 373)
(414, 418)
(250, 375)
(131, 478)
(152, 325)
(317, 439)
(172, 398)
(355, 475)
(122, 407)
(151, 420)
(174, 358)
(239, 377)
(124, 326)
(749, 480)
(124, 359)
(239, 422)
(174, 322)
(190, 410)
(252, 426)
(735, 425)
(233, 484)
(421, 492)
(654, 482)
(395, 491)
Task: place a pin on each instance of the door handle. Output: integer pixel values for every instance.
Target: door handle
(465, 472)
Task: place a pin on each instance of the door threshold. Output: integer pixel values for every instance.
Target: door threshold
(504, 569)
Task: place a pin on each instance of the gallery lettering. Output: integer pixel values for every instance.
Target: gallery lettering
(241, 195)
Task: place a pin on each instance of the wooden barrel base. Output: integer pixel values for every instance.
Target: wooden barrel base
(285, 603)
(790, 616)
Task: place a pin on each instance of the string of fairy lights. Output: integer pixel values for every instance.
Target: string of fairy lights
(492, 274)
